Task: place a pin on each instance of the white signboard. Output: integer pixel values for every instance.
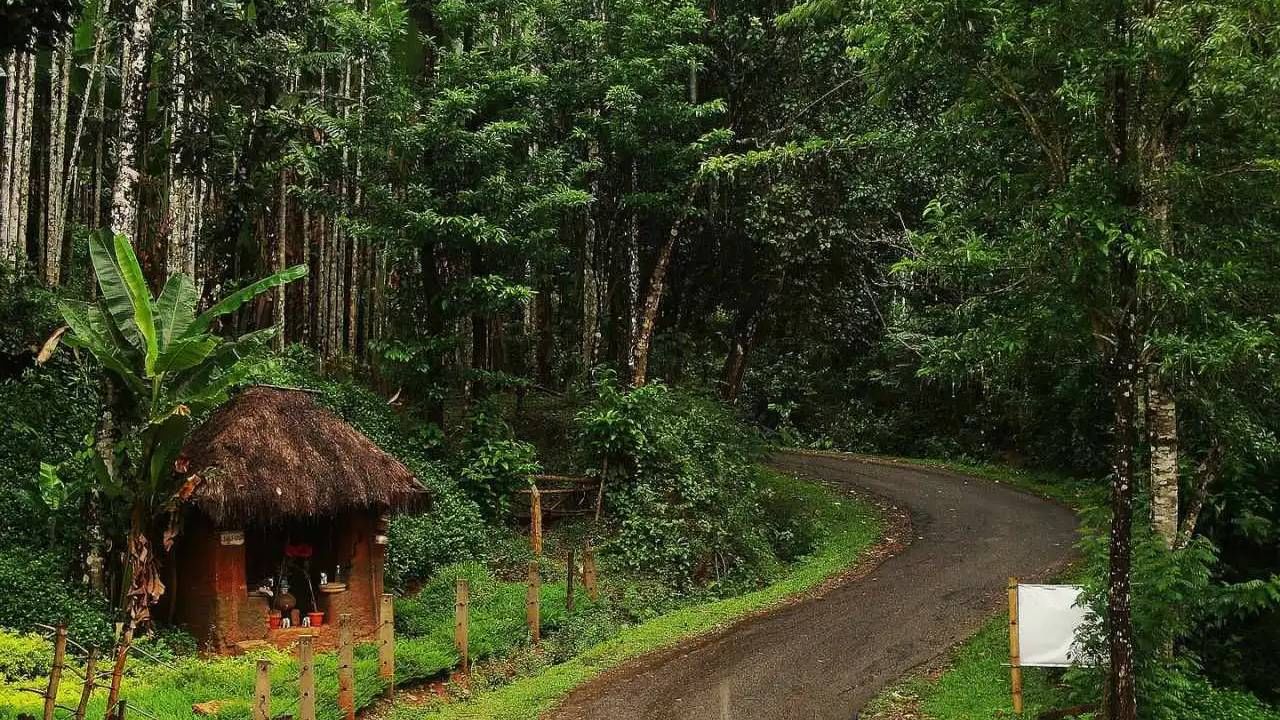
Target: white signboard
(1048, 621)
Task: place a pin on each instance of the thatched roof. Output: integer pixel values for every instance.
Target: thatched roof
(272, 453)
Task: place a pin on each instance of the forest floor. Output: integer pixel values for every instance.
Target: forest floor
(828, 656)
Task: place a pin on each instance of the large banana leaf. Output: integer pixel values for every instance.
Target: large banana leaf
(233, 301)
(115, 293)
(89, 327)
(186, 353)
(176, 309)
(140, 297)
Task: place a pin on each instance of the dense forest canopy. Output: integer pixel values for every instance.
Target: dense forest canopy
(999, 231)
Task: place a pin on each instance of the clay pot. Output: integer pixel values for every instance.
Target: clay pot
(273, 622)
(316, 618)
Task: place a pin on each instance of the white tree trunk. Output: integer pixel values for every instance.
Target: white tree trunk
(133, 103)
(7, 145)
(1162, 413)
(18, 246)
(55, 211)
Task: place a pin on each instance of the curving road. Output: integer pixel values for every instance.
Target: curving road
(825, 657)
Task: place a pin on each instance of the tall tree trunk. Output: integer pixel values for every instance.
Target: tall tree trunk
(542, 320)
(73, 161)
(590, 283)
(740, 344)
(59, 98)
(1162, 425)
(133, 105)
(8, 157)
(1121, 372)
(18, 246)
(279, 261)
(652, 299)
(1122, 693)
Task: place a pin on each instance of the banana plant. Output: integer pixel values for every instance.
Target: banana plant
(169, 365)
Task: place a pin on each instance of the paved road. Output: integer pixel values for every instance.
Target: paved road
(823, 659)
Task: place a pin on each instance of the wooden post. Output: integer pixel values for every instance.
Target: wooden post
(90, 680)
(262, 691)
(387, 644)
(570, 568)
(533, 601)
(535, 519)
(346, 668)
(55, 674)
(1015, 659)
(589, 572)
(306, 679)
(462, 623)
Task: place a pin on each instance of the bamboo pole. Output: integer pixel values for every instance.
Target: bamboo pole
(535, 519)
(55, 674)
(346, 668)
(1015, 660)
(306, 679)
(90, 680)
(262, 691)
(533, 602)
(387, 645)
(589, 572)
(462, 623)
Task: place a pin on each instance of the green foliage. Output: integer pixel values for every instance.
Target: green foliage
(452, 530)
(167, 364)
(24, 656)
(494, 465)
(1175, 596)
(34, 591)
(681, 486)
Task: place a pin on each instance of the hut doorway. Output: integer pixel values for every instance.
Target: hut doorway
(296, 556)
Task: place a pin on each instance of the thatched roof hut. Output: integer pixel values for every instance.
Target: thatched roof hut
(273, 453)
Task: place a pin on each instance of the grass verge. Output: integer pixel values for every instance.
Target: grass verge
(973, 686)
(851, 527)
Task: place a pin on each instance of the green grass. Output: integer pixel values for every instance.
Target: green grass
(975, 686)
(850, 528)
(169, 691)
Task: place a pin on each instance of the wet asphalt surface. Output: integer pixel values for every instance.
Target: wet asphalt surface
(824, 657)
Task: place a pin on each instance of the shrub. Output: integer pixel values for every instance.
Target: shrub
(24, 656)
(451, 531)
(681, 488)
(494, 464)
(33, 591)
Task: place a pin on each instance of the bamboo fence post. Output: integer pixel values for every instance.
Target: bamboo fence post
(533, 600)
(387, 645)
(589, 572)
(55, 674)
(535, 519)
(262, 691)
(346, 668)
(462, 623)
(1015, 660)
(306, 679)
(568, 581)
(90, 679)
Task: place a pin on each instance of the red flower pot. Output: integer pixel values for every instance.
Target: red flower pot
(317, 619)
(273, 621)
